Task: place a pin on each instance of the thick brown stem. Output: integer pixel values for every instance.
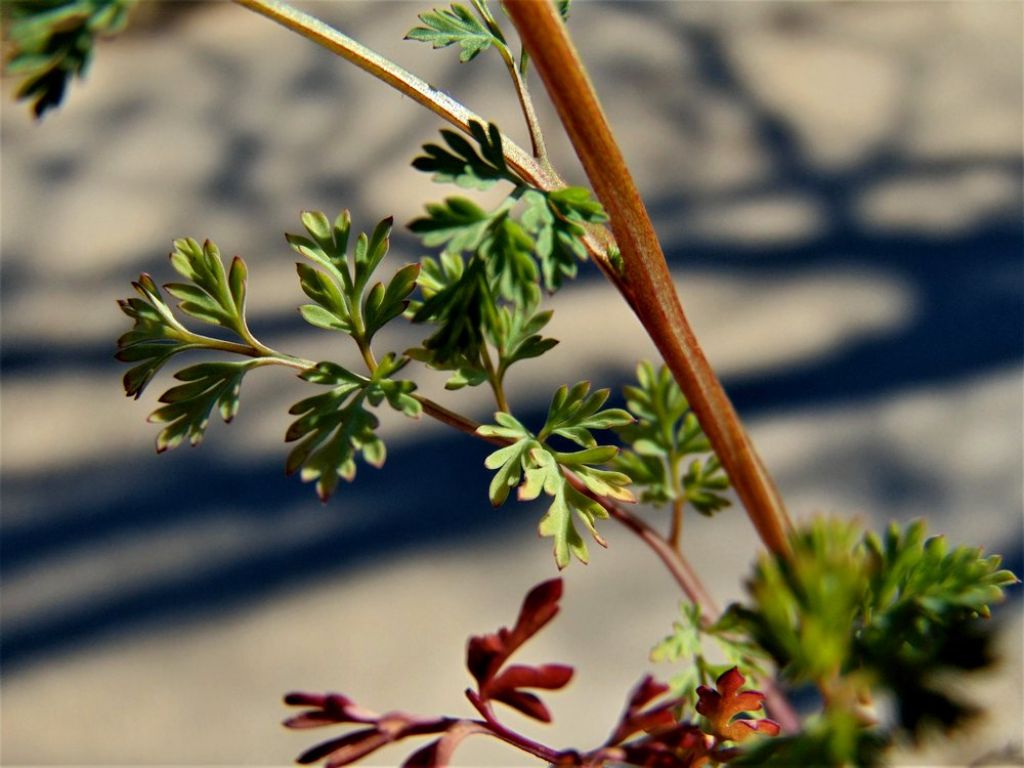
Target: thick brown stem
(647, 284)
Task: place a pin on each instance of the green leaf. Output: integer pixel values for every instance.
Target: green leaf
(665, 432)
(458, 224)
(537, 468)
(517, 336)
(381, 305)
(188, 405)
(686, 646)
(462, 309)
(508, 251)
(558, 524)
(155, 337)
(574, 412)
(212, 295)
(894, 613)
(701, 485)
(333, 428)
(461, 164)
(52, 41)
(331, 311)
(556, 219)
(339, 280)
(397, 393)
(444, 27)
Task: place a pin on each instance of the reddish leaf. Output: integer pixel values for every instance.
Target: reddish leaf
(634, 719)
(527, 703)
(722, 705)
(486, 653)
(683, 745)
(333, 708)
(345, 749)
(549, 677)
(329, 708)
(438, 753)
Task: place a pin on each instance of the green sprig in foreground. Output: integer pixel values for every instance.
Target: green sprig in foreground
(857, 614)
(531, 463)
(332, 428)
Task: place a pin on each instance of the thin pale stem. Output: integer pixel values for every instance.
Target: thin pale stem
(537, 173)
(494, 379)
(401, 80)
(251, 349)
(522, 91)
(646, 282)
(540, 152)
(675, 534)
(678, 503)
(368, 357)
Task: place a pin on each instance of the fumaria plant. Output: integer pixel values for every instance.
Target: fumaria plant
(856, 616)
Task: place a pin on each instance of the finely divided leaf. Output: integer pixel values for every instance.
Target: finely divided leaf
(558, 524)
(334, 427)
(444, 27)
(517, 334)
(664, 433)
(462, 310)
(556, 219)
(574, 412)
(537, 468)
(212, 295)
(188, 405)
(458, 224)
(460, 162)
(155, 337)
(339, 283)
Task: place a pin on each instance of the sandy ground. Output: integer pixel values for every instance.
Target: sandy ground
(839, 192)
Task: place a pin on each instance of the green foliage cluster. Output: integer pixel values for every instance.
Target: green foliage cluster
(483, 291)
(52, 42)
(664, 434)
(212, 295)
(531, 463)
(686, 645)
(858, 615)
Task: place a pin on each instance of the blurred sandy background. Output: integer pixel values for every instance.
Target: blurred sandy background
(838, 187)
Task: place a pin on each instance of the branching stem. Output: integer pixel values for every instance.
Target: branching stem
(536, 172)
(647, 284)
(518, 80)
(509, 736)
(400, 79)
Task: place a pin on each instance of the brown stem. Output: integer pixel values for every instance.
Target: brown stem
(500, 731)
(647, 283)
(687, 578)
